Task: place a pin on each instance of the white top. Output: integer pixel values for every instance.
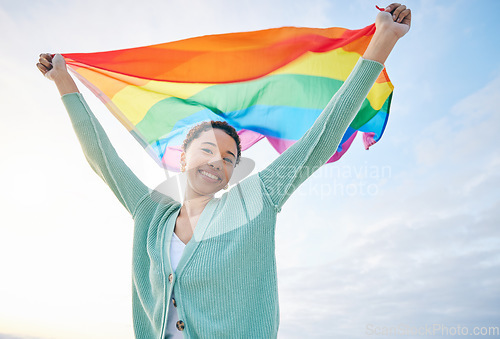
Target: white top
(176, 249)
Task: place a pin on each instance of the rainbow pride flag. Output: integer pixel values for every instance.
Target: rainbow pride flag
(270, 83)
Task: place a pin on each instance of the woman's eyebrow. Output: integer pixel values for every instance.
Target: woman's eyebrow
(211, 143)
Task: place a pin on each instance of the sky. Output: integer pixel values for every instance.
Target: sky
(398, 239)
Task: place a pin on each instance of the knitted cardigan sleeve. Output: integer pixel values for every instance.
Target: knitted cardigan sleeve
(287, 172)
(102, 156)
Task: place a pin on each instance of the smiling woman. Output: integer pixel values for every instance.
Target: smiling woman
(206, 268)
(211, 142)
(211, 151)
(208, 161)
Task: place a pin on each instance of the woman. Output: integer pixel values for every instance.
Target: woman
(206, 268)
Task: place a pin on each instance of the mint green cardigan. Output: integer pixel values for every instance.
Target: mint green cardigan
(225, 285)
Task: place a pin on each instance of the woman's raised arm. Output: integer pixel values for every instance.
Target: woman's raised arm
(96, 145)
(287, 172)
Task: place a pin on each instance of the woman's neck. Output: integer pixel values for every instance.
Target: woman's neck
(192, 207)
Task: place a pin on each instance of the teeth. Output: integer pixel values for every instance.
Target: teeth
(209, 175)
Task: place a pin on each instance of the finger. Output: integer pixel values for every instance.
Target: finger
(403, 15)
(397, 12)
(42, 68)
(392, 7)
(46, 56)
(44, 59)
(407, 19)
(46, 63)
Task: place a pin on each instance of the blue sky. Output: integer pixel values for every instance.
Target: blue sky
(404, 235)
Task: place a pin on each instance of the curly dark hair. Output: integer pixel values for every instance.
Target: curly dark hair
(195, 132)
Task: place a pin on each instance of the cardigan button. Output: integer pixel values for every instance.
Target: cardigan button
(173, 301)
(180, 325)
(170, 277)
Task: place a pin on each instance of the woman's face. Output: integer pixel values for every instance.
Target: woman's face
(213, 153)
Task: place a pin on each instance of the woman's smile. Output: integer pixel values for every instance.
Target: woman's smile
(208, 176)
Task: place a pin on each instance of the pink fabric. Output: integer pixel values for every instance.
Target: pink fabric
(368, 139)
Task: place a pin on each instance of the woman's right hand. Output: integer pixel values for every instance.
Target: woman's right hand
(52, 68)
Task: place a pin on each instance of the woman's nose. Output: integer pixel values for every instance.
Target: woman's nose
(216, 161)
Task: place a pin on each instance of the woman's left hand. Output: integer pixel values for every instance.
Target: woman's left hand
(396, 19)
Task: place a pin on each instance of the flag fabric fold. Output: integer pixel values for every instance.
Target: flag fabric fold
(270, 84)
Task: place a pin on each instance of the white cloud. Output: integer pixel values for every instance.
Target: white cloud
(425, 250)
(420, 268)
(465, 136)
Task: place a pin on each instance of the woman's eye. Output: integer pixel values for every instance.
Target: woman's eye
(209, 151)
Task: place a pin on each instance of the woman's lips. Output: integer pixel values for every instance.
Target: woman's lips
(208, 178)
